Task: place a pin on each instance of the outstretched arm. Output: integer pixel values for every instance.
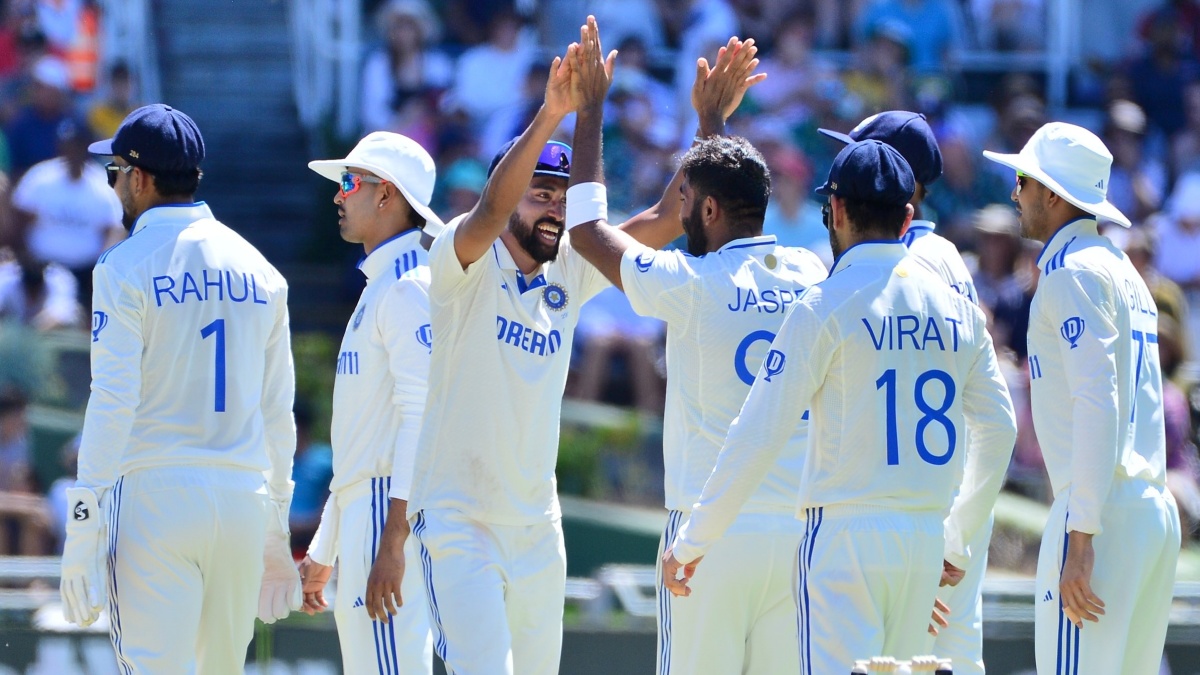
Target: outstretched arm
(715, 95)
(509, 181)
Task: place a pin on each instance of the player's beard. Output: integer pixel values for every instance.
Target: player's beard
(693, 227)
(529, 239)
(834, 244)
(127, 216)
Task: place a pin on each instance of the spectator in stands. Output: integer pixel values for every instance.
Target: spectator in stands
(39, 295)
(66, 211)
(880, 79)
(1019, 113)
(1185, 146)
(704, 26)
(1141, 245)
(1184, 14)
(312, 470)
(629, 19)
(794, 71)
(964, 189)
(59, 21)
(608, 329)
(634, 73)
(1138, 181)
(936, 26)
(460, 186)
(107, 114)
(1179, 235)
(1002, 283)
(1183, 464)
(56, 496)
(1009, 25)
(1159, 77)
(489, 76)
(32, 133)
(468, 21)
(24, 515)
(403, 79)
(791, 216)
(510, 120)
(637, 146)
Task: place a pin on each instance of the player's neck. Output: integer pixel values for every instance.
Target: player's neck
(721, 235)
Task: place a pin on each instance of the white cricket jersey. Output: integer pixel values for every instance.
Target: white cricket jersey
(383, 369)
(489, 439)
(722, 311)
(940, 256)
(191, 354)
(894, 366)
(1095, 381)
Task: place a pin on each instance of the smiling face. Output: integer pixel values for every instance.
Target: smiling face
(537, 224)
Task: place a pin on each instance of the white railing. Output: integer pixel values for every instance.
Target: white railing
(127, 34)
(326, 43)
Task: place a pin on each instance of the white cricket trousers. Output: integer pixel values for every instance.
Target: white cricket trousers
(741, 615)
(185, 567)
(867, 578)
(1134, 574)
(495, 593)
(962, 640)
(404, 645)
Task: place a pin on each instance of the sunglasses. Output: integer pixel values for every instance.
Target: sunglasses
(351, 182)
(555, 159)
(1020, 182)
(113, 168)
(825, 213)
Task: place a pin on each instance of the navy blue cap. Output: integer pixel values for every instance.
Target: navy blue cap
(905, 131)
(156, 137)
(555, 159)
(870, 171)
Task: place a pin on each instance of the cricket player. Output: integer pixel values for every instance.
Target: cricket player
(723, 303)
(384, 187)
(505, 291)
(961, 640)
(179, 512)
(1112, 540)
(893, 366)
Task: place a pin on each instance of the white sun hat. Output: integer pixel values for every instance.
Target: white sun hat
(396, 159)
(1072, 162)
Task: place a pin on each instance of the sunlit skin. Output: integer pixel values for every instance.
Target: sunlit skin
(693, 223)
(536, 227)
(357, 211)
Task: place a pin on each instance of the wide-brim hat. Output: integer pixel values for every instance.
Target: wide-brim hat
(1072, 162)
(398, 160)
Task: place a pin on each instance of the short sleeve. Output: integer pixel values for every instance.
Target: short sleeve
(659, 284)
(447, 276)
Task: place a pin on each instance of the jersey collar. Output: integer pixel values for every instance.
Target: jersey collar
(749, 242)
(1072, 228)
(386, 253)
(873, 252)
(922, 225)
(172, 214)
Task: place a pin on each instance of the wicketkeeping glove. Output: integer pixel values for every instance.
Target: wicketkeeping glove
(83, 584)
(280, 593)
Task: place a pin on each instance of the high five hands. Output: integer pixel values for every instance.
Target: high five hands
(718, 89)
(592, 72)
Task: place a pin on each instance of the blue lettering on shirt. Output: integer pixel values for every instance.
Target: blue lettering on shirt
(347, 363)
(527, 339)
(769, 301)
(896, 333)
(216, 285)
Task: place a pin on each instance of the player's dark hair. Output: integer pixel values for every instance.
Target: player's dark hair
(730, 170)
(182, 184)
(866, 217)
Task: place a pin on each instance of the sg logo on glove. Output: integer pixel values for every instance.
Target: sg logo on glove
(81, 511)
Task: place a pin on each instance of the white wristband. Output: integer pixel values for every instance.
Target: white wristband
(586, 202)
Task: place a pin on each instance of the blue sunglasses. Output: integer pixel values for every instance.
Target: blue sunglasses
(351, 182)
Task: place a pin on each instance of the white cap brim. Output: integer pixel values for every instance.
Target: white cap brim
(333, 169)
(1029, 166)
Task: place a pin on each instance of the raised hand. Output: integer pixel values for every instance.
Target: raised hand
(718, 90)
(559, 95)
(593, 72)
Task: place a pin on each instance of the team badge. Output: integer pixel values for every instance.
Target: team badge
(358, 317)
(425, 337)
(555, 297)
(1072, 330)
(99, 321)
(774, 363)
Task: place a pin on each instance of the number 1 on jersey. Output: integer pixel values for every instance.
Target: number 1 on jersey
(217, 327)
(929, 414)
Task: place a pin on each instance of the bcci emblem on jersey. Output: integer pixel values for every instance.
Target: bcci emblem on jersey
(1072, 330)
(99, 321)
(358, 316)
(555, 297)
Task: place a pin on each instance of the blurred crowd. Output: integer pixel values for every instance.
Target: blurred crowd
(463, 76)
